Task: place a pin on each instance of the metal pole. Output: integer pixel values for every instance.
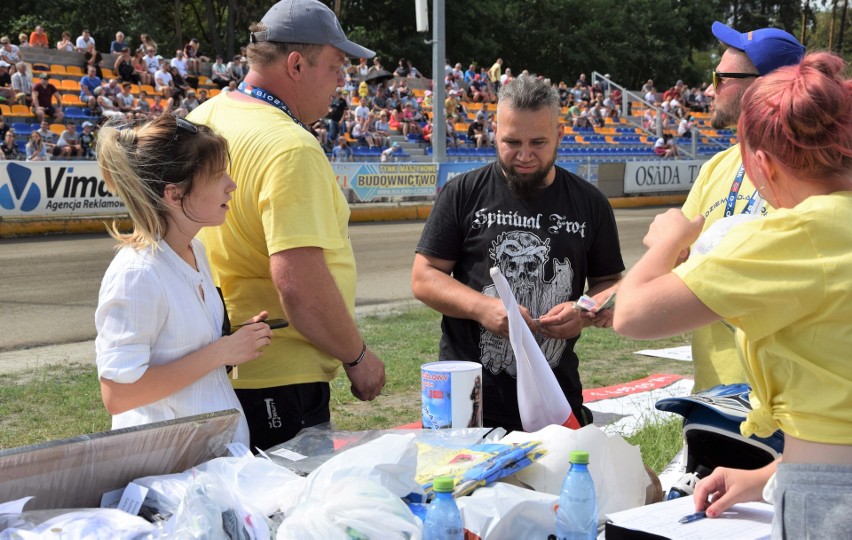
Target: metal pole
(694, 142)
(439, 57)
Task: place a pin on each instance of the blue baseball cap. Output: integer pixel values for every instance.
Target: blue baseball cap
(767, 48)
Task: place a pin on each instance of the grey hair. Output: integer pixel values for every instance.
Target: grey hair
(528, 93)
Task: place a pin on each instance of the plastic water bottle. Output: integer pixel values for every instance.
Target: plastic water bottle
(577, 515)
(443, 519)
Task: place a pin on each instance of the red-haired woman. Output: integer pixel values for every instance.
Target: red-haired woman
(783, 281)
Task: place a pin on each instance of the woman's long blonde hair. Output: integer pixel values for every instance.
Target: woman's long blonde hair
(139, 161)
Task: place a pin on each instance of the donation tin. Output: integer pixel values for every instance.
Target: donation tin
(452, 394)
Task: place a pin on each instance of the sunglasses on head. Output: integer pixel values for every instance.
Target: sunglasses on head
(717, 77)
(181, 126)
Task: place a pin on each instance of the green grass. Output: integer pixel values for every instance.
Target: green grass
(63, 401)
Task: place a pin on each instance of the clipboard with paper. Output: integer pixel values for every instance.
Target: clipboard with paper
(541, 401)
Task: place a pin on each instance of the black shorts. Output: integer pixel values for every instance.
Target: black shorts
(275, 415)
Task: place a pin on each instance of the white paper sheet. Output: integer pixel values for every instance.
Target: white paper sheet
(742, 521)
(684, 354)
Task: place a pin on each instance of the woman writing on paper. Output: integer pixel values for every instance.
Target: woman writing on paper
(160, 350)
(783, 281)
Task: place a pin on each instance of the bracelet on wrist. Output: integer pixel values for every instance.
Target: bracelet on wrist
(349, 365)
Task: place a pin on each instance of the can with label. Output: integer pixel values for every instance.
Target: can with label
(452, 394)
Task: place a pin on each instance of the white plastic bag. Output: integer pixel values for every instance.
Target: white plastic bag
(351, 508)
(506, 512)
(541, 400)
(616, 466)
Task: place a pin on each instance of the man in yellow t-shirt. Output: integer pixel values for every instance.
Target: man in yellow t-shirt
(286, 237)
(720, 189)
(495, 72)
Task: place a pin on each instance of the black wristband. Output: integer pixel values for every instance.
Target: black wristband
(359, 359)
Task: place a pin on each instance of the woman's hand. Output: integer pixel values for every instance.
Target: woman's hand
(244, 345)
(672, 229)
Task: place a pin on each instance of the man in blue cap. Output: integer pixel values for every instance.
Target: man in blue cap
(286, 237)
(722, 189)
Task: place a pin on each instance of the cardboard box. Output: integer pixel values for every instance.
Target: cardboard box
(76, 472)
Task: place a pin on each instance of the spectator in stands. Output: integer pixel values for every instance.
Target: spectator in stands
(665, 147)
(87, 140)
(4, 127)
(412, 119)
(650, 95)
(112, 88)
(157, 107)
(191, 102)
(362, 111)
(6, 91)
(507, 77)
(164, 82)
(118, 44)
(202, 96)
(377, 65)
(219, 73)
(9, 52)
(470, 73)
(140, 68)
(124, 67)
(145, 43)
(232, 87)
(38, 38)
(341, 151)
(380, 128)
(84, 40)
(362, 69)
(44, 96)
(194, 56)
(93, 58)
(181, 87)
(235, 69)
(9, 148)
(36, 148)
(596, 114)
(336, 110)
(361, 133)
(125, 101)
(684, 127)
(65, 44)
(92, 108)
(648, 87)
(180, 62)
(319, 130)
(402, 69)
(88, 83)
(68, 144)
(47, 136)
(142, 109)
(23, 40)
(495, 73)
(388, 153)
(152, 63)
(107, 102)
(476, 131)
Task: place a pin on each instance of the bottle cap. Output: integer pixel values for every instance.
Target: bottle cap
(443, 484)
(579, 456)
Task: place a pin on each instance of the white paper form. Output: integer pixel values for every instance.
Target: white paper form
(742, 521)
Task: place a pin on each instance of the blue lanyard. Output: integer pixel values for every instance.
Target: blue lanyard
(261, 94)
(735, 189)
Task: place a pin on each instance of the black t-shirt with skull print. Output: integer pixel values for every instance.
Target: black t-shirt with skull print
(546, 246)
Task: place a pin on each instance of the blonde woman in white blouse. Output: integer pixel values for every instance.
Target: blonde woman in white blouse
(160, 350)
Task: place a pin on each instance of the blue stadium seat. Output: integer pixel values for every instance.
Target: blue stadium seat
(23, 128)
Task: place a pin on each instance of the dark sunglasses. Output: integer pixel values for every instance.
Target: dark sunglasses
(717, 77)
(181, 126)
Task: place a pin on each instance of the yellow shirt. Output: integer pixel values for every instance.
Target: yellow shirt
(714, 353)
(784, 282)
(287, 197)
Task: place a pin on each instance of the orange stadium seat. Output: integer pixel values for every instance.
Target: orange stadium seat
(5, 110)
(57, 69)
(108, 73)
(75, 71)
(57, 128)
(72, 100)
(70, 85)
(213, 92)
(134, 88)
(148, 89)
(21, 110)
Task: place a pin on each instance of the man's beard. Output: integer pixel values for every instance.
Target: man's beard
(727, 118)
(524, 186)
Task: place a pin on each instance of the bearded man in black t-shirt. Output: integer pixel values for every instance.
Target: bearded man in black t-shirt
(549, 231)
(335, 114)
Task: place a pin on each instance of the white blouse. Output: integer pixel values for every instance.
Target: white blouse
(151, 312)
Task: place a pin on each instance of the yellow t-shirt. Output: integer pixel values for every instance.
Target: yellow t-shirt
(784, 282)
(714, 353)
(287, 197)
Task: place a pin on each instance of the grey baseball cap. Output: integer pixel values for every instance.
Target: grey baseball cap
(307, 21)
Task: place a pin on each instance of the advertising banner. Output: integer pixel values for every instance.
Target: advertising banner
(393, 180)
(54, 188)
(660, 175)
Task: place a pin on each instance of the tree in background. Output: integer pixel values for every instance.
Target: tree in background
(633, 40)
